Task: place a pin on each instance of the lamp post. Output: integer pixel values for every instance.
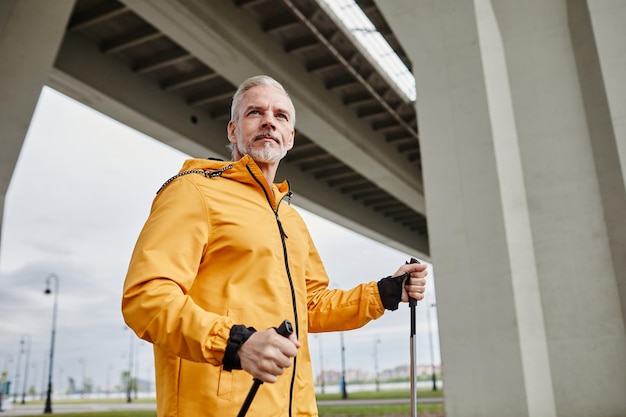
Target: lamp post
(344, 391)
(17, 370)
(129, 386)
(26, 337)
(376, 342)
(49, 278)
(432, 350)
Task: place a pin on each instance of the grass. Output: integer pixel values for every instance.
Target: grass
(386, 410)
(347, 410)
(381, 394)
(397, 410)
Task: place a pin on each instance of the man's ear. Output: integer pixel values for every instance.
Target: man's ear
(232, 137)
(291, 140)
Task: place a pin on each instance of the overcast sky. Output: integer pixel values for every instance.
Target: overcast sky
(78, 198)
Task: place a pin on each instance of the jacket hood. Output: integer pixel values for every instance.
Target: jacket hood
(205, 164)
(244, 170)
(238, 170)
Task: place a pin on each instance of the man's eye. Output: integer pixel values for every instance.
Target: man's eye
(282, 116)
(254, 112)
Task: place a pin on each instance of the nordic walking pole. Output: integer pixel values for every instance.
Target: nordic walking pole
(412, 305)
(285, 329)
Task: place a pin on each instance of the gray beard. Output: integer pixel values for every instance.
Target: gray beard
(265, 155)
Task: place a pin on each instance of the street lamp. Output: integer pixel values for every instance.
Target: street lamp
(344, 391)
(26, 336)
(17, 370)
(130, 369)
(432, 350)
(376, 342)
(48, 407)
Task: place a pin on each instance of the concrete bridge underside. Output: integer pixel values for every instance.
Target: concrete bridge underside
(513, 184)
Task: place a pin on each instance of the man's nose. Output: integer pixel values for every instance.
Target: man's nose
(268, 121)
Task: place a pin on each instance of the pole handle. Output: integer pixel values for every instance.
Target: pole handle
(412, 301)
(285, 329)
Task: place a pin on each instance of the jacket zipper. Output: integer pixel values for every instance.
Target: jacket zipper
(283, 236)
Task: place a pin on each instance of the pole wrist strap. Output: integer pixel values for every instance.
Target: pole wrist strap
(238, 336)
(390, 290)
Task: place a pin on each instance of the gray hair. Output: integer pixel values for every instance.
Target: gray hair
(256, 81)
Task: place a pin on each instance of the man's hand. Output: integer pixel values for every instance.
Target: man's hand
(266, 354)
(416, 283)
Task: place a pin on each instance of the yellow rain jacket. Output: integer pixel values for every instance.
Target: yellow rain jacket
(222, 247)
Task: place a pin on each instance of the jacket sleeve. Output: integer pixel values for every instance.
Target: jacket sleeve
(162, 269)
(337, 309)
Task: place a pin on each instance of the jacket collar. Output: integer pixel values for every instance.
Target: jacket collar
(245, 171)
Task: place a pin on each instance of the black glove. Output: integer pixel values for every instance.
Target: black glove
(390, 290)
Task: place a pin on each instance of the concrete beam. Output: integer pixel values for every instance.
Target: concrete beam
(107, 85)
(226, 39)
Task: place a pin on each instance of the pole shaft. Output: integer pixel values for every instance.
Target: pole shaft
(285, 329)
(246, 404)
(413, 372)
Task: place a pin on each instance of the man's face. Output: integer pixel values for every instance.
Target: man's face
(264, 129)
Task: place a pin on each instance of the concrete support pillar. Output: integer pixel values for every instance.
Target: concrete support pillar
(599, 40)
(606, 18)
(520, 212)
(30, 34)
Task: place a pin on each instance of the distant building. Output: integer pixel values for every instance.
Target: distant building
(332, 376)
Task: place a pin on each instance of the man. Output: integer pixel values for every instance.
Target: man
(223, 258)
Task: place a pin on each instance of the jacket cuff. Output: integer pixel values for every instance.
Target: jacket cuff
(238, 336)
(390, 289)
